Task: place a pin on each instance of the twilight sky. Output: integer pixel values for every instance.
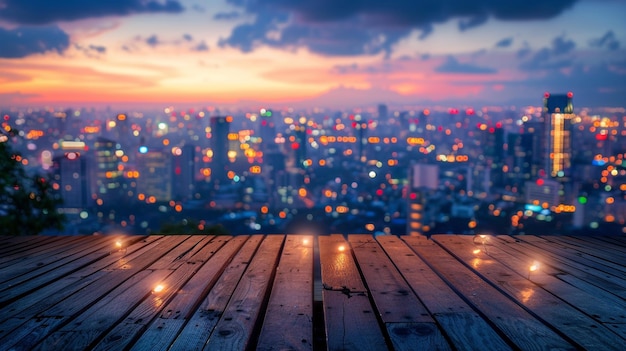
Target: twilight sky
(335, 53)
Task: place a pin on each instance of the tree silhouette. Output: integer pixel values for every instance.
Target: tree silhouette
(28, 203)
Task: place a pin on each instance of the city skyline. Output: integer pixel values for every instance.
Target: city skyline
(310, 53)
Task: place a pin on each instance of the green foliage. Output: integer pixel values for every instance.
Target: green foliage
(28, 204)
(187, 227)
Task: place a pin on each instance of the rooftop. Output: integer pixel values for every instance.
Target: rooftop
(281, 292)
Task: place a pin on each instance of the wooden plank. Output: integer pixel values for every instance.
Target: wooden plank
(35, 279)
(86, 329)
(613, 240)
(579, 267)
(463, 326)
(35, 329)
(598, 287)
(351, 323)
(522, 328)
(596, 243)
(34, 303)
(90, 326)
(31, 265)
(161, 333)
(508, 274)
(29, 244)
(201, 324)
(288, 323)
(11, 243)
(124, 332)
(567, 253)
(397, 305)
(605, 257)
(604, 252)
(234, 330)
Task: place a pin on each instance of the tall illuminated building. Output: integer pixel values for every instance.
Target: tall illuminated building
(220, 128)
(183, 177)
(108, 185)
(423, 180)
(558, 112)
(155, 174)
(72, 178)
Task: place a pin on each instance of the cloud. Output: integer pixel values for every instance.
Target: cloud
(355, 27)
(187, 37)
(607, 41)
(473, 22)
(452, 65)
(198, 8)
(504, 43)
(24, 41)
(91, 50)
(46, 11)
(153, 40)
(549, 58)
(202, 46)
(227, 15)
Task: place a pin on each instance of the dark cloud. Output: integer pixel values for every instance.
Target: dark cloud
(552, 58)
(198, 8)
(227, 15)
(473, 22)
(187, 37)
(47, 11)
(202, 46)
(25, 41)
(153, 40)
(504, 43)
(592, 85)
(91, 50)
(562, 46)
(339, 38)
(343, 69)
(372, 26)
(98, 48)
(607, 41)
(452, 65)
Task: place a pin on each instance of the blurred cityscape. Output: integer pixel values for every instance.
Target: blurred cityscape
(554, 168)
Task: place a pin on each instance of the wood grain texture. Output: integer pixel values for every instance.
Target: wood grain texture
(351, 323)
(288, 323)
(459, 321)
(535, 293)
(202, 323)
(516, 323)
(163, 331)
(256, 292)
(236, 326)
(409, 324)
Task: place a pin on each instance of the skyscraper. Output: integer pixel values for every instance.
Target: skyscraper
(71, 168)
(183, 178)
(220, 127)
(108, 176)
(558, 112)
(423, 179)
(155, 173)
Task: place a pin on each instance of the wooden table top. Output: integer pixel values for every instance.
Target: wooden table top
(294, 292)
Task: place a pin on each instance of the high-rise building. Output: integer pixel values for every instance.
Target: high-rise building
(423, 180)
(543, 192)
(155, 173)
(383, 111)
(220, 127)
(108, 186)
(71, 169)
(558, 112)
(183, 177)
(300, 147)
